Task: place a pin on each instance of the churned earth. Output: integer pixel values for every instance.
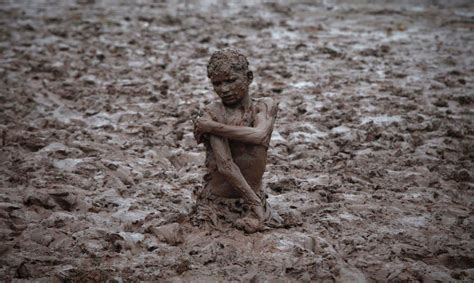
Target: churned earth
(372, 151)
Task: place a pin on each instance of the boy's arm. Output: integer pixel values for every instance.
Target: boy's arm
(260, 134)
(198, 133)
(212, 112)
(232, 173)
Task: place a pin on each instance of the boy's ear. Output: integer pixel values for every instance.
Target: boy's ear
(250, 76)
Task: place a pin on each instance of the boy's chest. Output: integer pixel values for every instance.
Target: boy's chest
(240, 117)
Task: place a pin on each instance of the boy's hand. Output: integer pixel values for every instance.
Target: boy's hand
(201, 127)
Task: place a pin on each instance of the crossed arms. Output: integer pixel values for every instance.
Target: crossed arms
(259, 135)
(219, 134)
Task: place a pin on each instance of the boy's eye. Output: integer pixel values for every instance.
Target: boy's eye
(231, 80)
(216, 83)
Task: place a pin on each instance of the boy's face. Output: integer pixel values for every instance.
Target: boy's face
(231, 86)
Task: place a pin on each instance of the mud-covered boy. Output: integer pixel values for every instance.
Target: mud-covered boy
(236, 130)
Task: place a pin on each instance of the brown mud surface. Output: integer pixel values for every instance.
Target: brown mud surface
(372, 150)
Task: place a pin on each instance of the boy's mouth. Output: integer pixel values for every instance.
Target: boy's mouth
(228, 97)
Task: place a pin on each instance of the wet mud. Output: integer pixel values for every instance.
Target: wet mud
(372, 152)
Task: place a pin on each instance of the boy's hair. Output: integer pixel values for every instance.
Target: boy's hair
(225, 59)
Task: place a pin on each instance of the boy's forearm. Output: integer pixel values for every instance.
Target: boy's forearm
(235, 177)
(240, 133)
(231, 171)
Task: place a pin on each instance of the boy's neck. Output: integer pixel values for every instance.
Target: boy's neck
(245, 103)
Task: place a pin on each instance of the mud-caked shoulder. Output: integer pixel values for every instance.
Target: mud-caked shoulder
(267, 104)
(215, 109)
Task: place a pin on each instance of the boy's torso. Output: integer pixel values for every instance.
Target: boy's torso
(250, 158)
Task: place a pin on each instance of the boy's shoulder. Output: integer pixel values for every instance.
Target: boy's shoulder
(215, 109)
(266, 103)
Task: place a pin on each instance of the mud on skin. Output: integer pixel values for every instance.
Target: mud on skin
(372, 148)
(236, 130)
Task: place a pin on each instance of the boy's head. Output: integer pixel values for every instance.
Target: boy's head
(230, 75)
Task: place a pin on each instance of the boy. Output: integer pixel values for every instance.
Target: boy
(236, 132)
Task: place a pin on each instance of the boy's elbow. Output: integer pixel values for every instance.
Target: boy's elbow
(262, 137)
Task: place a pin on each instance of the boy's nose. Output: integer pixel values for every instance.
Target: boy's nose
(225, 88)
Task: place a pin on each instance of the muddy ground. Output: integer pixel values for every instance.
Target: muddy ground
(372, 149)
